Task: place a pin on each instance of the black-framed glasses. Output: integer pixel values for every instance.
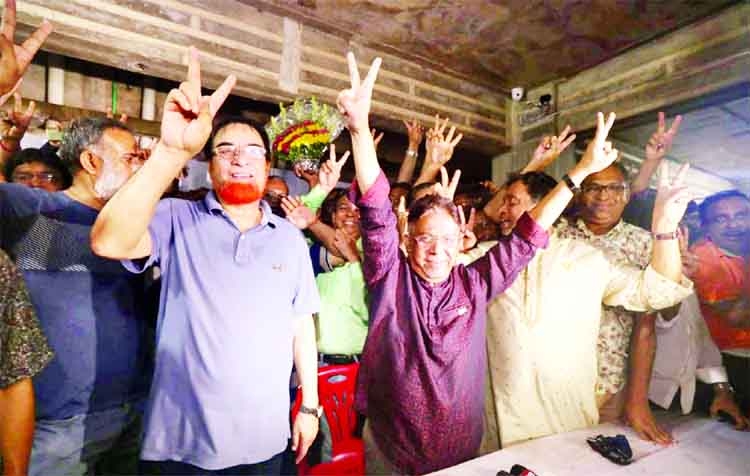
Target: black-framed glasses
(612, 189)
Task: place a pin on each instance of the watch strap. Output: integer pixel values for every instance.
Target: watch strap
(666, 236)
(570, 184)
(316, 412)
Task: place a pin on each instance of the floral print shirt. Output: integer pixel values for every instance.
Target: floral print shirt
(23, 348)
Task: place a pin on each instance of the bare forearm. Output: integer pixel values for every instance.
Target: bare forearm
(408, 165)
(325, 234)
(643, 179)
(428, 174)
(16, 426)
(665, 259)
(642, 351)
(549, 208)
(8, 148)
(306, 360)
(123, 222)
(365, 159)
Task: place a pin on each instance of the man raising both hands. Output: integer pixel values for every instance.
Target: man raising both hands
(424, 362)
(236, 301)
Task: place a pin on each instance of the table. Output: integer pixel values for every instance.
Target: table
(704, 448)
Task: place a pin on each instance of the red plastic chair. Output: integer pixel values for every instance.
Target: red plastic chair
(336, 387)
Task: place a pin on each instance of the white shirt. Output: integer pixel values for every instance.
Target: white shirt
(684, 352)
(542, 338)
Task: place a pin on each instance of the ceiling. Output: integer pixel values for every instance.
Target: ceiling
(499, 43)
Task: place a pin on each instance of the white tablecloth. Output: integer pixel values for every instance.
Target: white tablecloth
(704, 448)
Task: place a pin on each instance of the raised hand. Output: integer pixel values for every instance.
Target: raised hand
(599, 154)
(330, 170)
(491, 186)
(376, 138)
(439, 146)
(468, 238)
(549, 149)
(672, 198)
(354, 103)
(15, 59)
(305, 174)
(661, 141)
(20, 118)
(123, 117)
(297, 213)
(346, 245)
(447, 188)
(186, 123)
(416, 133)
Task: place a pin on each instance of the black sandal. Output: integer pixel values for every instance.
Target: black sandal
(614, 448)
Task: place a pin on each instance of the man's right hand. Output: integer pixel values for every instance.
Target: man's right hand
(15, 59)
(186, 123)
(599, 154)
(549, 149)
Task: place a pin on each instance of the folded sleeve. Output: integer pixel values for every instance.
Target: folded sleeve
(643, 291)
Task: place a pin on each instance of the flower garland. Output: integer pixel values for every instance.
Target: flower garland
(303, 131)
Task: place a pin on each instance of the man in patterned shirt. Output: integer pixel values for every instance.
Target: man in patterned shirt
(602, 202)
(23, 354)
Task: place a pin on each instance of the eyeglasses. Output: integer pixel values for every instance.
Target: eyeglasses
(230, 151)
(613, 189)
(427, 241)
(273, 195)
(41, 177)
(724, 220)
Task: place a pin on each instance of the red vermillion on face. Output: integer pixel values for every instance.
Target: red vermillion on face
(239, 193)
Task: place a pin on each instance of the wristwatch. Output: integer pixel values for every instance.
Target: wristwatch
(317, 412)
(724, 386)
(570, 184)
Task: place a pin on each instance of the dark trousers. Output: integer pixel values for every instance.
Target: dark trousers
(176, 468)
(738, 370)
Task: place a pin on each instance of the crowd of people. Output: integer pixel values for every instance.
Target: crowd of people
(147, 333)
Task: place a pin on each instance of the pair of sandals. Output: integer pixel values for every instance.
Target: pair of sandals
(614, 448)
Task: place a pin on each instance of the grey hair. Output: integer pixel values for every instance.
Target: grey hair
(82, 134)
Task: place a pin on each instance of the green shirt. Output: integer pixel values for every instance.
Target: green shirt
(342, 320)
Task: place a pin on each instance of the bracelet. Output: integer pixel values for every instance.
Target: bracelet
(666, 236)
(411, 153)
(570, 184)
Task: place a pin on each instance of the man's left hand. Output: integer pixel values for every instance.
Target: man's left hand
(672, 198)
(724, 401)
(640, 418)
(303, 434)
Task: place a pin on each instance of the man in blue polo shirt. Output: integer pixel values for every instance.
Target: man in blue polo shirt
(237, 297)
(89, 398)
